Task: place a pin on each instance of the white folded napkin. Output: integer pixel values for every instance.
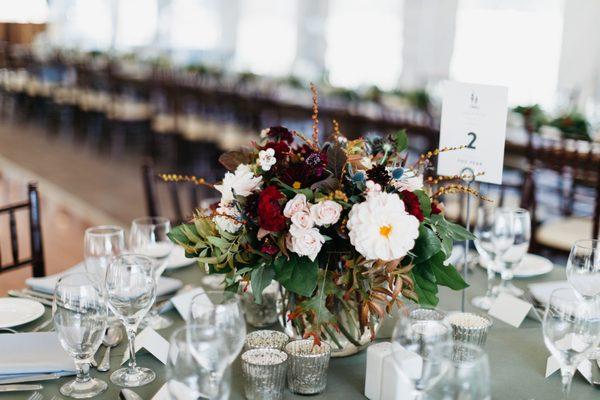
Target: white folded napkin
(47, 284)
(542, 291)
(33, 353)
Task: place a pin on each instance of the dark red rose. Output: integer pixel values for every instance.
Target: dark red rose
(270, 216)
(412, 205)
(281, 149)
(435, 208)
(281, 133)
(269, 249)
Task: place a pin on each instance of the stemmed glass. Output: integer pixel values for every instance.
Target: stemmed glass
(583, 268)
(222, 310)
(513, 228)
(468, 376)
(131, 291)
(148, 236)
(421, 331)
(571, 330)
(198, 374)
(101, 245)
(79, 313)
(484, 243)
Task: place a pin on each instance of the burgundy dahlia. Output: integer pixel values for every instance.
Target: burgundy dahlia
(270, 216)
(412, 205)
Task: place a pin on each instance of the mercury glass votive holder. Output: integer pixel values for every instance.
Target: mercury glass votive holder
(266, 339)
(308, 363)
(264, 372)
(469, 327)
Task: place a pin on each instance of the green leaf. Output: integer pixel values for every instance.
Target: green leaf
(260, 278)
(316, 304)
(298, 274)
(458, 233)
(446, 275)
(219, 242)
(425, 289)
(426, 245)
(176, 234)
(401, 140)
(424, 202)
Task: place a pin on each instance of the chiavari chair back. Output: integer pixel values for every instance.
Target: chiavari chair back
(36, 257)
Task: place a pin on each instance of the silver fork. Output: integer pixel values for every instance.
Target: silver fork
(42, 325)
(36, 396)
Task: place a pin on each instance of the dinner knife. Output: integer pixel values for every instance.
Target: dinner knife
(19, 388)
(30, 378)
(16, 293)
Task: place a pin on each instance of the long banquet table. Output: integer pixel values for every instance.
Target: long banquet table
(517, 358)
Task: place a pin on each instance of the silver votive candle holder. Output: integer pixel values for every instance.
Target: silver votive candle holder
(266, 339)
(469, 327)
(308, 364)
(263, 314)
(264, 372)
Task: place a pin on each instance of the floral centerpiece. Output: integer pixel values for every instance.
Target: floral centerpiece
(346, 228)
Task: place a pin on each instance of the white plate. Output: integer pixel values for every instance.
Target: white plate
(177, 259)
(15, 312)
(532, 265)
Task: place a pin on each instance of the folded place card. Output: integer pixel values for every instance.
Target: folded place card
(394, 385)
(584, 368)
(163, 393)
(183, 301)
(153, 343)
(509, 309)
(376, 353)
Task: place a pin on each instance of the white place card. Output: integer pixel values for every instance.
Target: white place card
(584, 368)
(376, 353)
(509, 309)
(183, 301)
(153, 343)
(163, 393)
(473, 116)
(394, 386)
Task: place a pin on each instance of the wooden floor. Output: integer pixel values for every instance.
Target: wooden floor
(78, 189)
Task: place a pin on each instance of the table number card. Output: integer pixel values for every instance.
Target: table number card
(473, 116)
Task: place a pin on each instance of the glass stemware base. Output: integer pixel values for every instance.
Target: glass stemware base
(482, 302)
(127, 378)
(509, 288)
(83, 390)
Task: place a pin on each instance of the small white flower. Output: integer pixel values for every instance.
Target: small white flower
(303, 219)
(380, 228)
(373, 188)
(305, 242)
(266, 159)
(228, 217)
(298, 203)
(242, 182)
(326, 212)
(410, 183)
(264, 132)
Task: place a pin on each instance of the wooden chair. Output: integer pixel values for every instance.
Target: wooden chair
(36, 259)
(183, 198)
(562, 190)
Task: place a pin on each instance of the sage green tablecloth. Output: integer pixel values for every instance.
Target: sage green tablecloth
(517, 357)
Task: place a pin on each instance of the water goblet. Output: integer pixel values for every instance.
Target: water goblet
(571, 331)
(101, 245)
(148, 237)
(417, 334)
(484, 243)
(131, 291)
(197, 374)
(222, 310)
(79, 313)
(583, 268)
(513, 229)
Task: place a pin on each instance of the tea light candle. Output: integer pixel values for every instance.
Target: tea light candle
(308, 366)
(266, 339)
(264, 372)
(469, 327)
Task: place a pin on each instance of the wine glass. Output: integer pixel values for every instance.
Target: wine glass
(79, 313)
(484, 243)
(512, 232)
(131, 290)
(571, 328)
(197, 374)
(468, 376)
(101, 245)
(148, 236)
(417, 335)
(222, 310)
(583, 268)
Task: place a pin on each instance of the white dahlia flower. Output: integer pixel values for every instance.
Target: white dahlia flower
(242, 182)
(380, 228)
(410, 183)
